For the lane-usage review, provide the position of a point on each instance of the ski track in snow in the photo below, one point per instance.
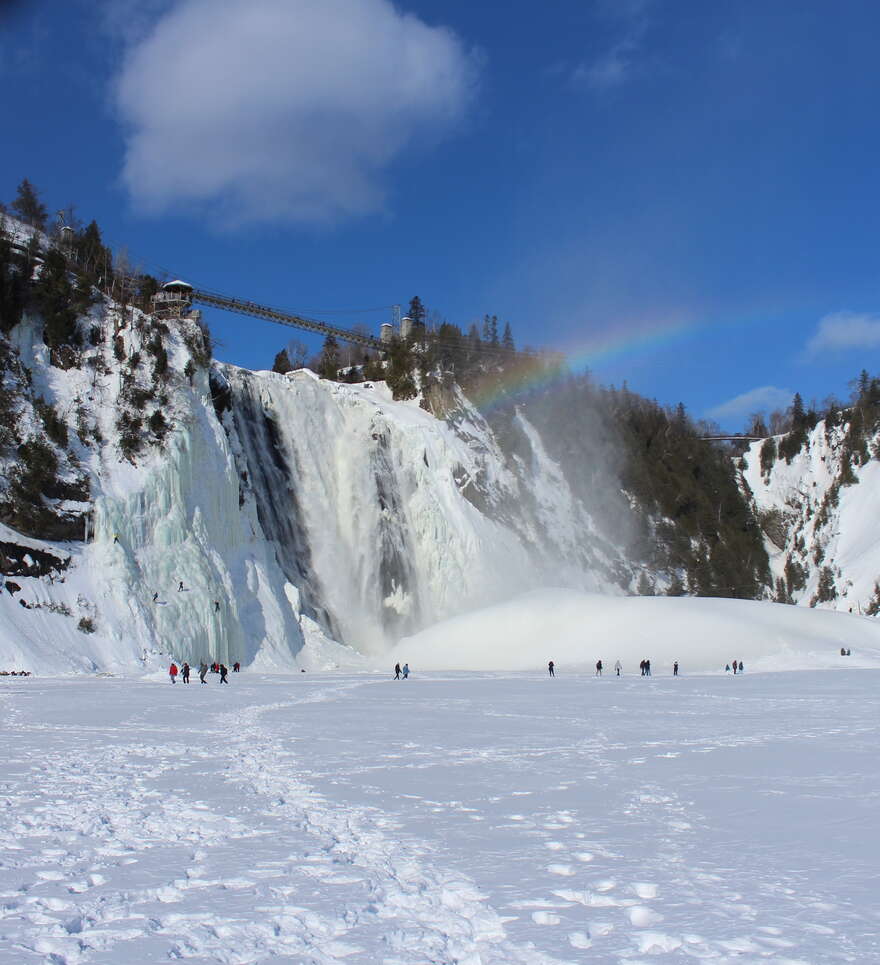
(453, 820)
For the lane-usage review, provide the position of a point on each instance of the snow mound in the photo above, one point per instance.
(577, 629)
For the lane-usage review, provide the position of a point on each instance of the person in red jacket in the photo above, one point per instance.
(172, 673)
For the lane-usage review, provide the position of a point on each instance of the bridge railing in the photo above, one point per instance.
(242, 307)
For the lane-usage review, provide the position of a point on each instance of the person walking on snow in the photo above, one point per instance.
(598, 668)
(617, 668)
(180, 586)
(647, 668)
(397, 671)
(203, 670)
(405, 671)
(675, 669)
(734, 666)
(224, 670)
(172, 673)
(185, 672)
(216, 606)
(155, 596)
(236, 667)
(550, 667)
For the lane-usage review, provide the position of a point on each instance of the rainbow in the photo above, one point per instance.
(601, 347)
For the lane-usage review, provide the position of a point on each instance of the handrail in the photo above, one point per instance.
(217, 300)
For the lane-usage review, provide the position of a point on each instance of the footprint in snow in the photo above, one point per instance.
(642, 917)
(565, 870)
(644, 889)
(545, 918)
(656, 943)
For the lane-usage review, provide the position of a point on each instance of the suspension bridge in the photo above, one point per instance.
(177, 296)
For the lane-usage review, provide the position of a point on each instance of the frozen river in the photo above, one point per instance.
(451, 818)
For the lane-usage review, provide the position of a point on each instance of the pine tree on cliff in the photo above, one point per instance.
(28, 207)
(93, 256)
(798, 413)
(282, 362)
(328, 367)
(490, 330)
(416, 311)
(507, 339)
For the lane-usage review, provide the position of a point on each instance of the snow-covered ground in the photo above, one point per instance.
(450, 818)
(701, 634)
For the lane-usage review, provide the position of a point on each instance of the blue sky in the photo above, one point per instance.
(693, 184)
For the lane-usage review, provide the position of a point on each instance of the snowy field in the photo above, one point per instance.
(451, 818)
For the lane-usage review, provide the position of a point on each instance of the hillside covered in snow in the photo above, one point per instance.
(816, 494)
(154, 501)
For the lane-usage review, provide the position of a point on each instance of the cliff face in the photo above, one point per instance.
(289, 507)
(819, 510)
(152, 500)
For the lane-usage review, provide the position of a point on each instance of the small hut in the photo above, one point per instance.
(174, 298)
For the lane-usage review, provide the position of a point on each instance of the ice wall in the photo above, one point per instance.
(363, 500)
(179, 521)
(291, 509)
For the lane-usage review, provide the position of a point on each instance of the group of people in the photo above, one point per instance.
(644, 667)
(180, 586)
(401, 673)
(737, 667)
(180, 589)
(184, 671)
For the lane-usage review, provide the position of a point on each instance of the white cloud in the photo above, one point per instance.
(609, 70)
(284, 110)
(843, 332)
(762, 399)
(615, 66)
(128, 20)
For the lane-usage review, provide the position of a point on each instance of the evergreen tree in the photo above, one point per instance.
(873, 607)
(490, 330)
(507, 339)
(328, 367)
(798, 413)
(399, 373)
(54, 299)
(13, 283)
(680, 419)
(768, 455)
(28, 207)
(826, 591)
(416, 311)
(282, 362)
(676, 587)
(147, 287)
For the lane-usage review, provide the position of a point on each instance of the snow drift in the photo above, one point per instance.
(577, 629)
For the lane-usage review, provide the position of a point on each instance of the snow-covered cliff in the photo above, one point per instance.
(290, 508)
(819, 512)
(155, 502)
